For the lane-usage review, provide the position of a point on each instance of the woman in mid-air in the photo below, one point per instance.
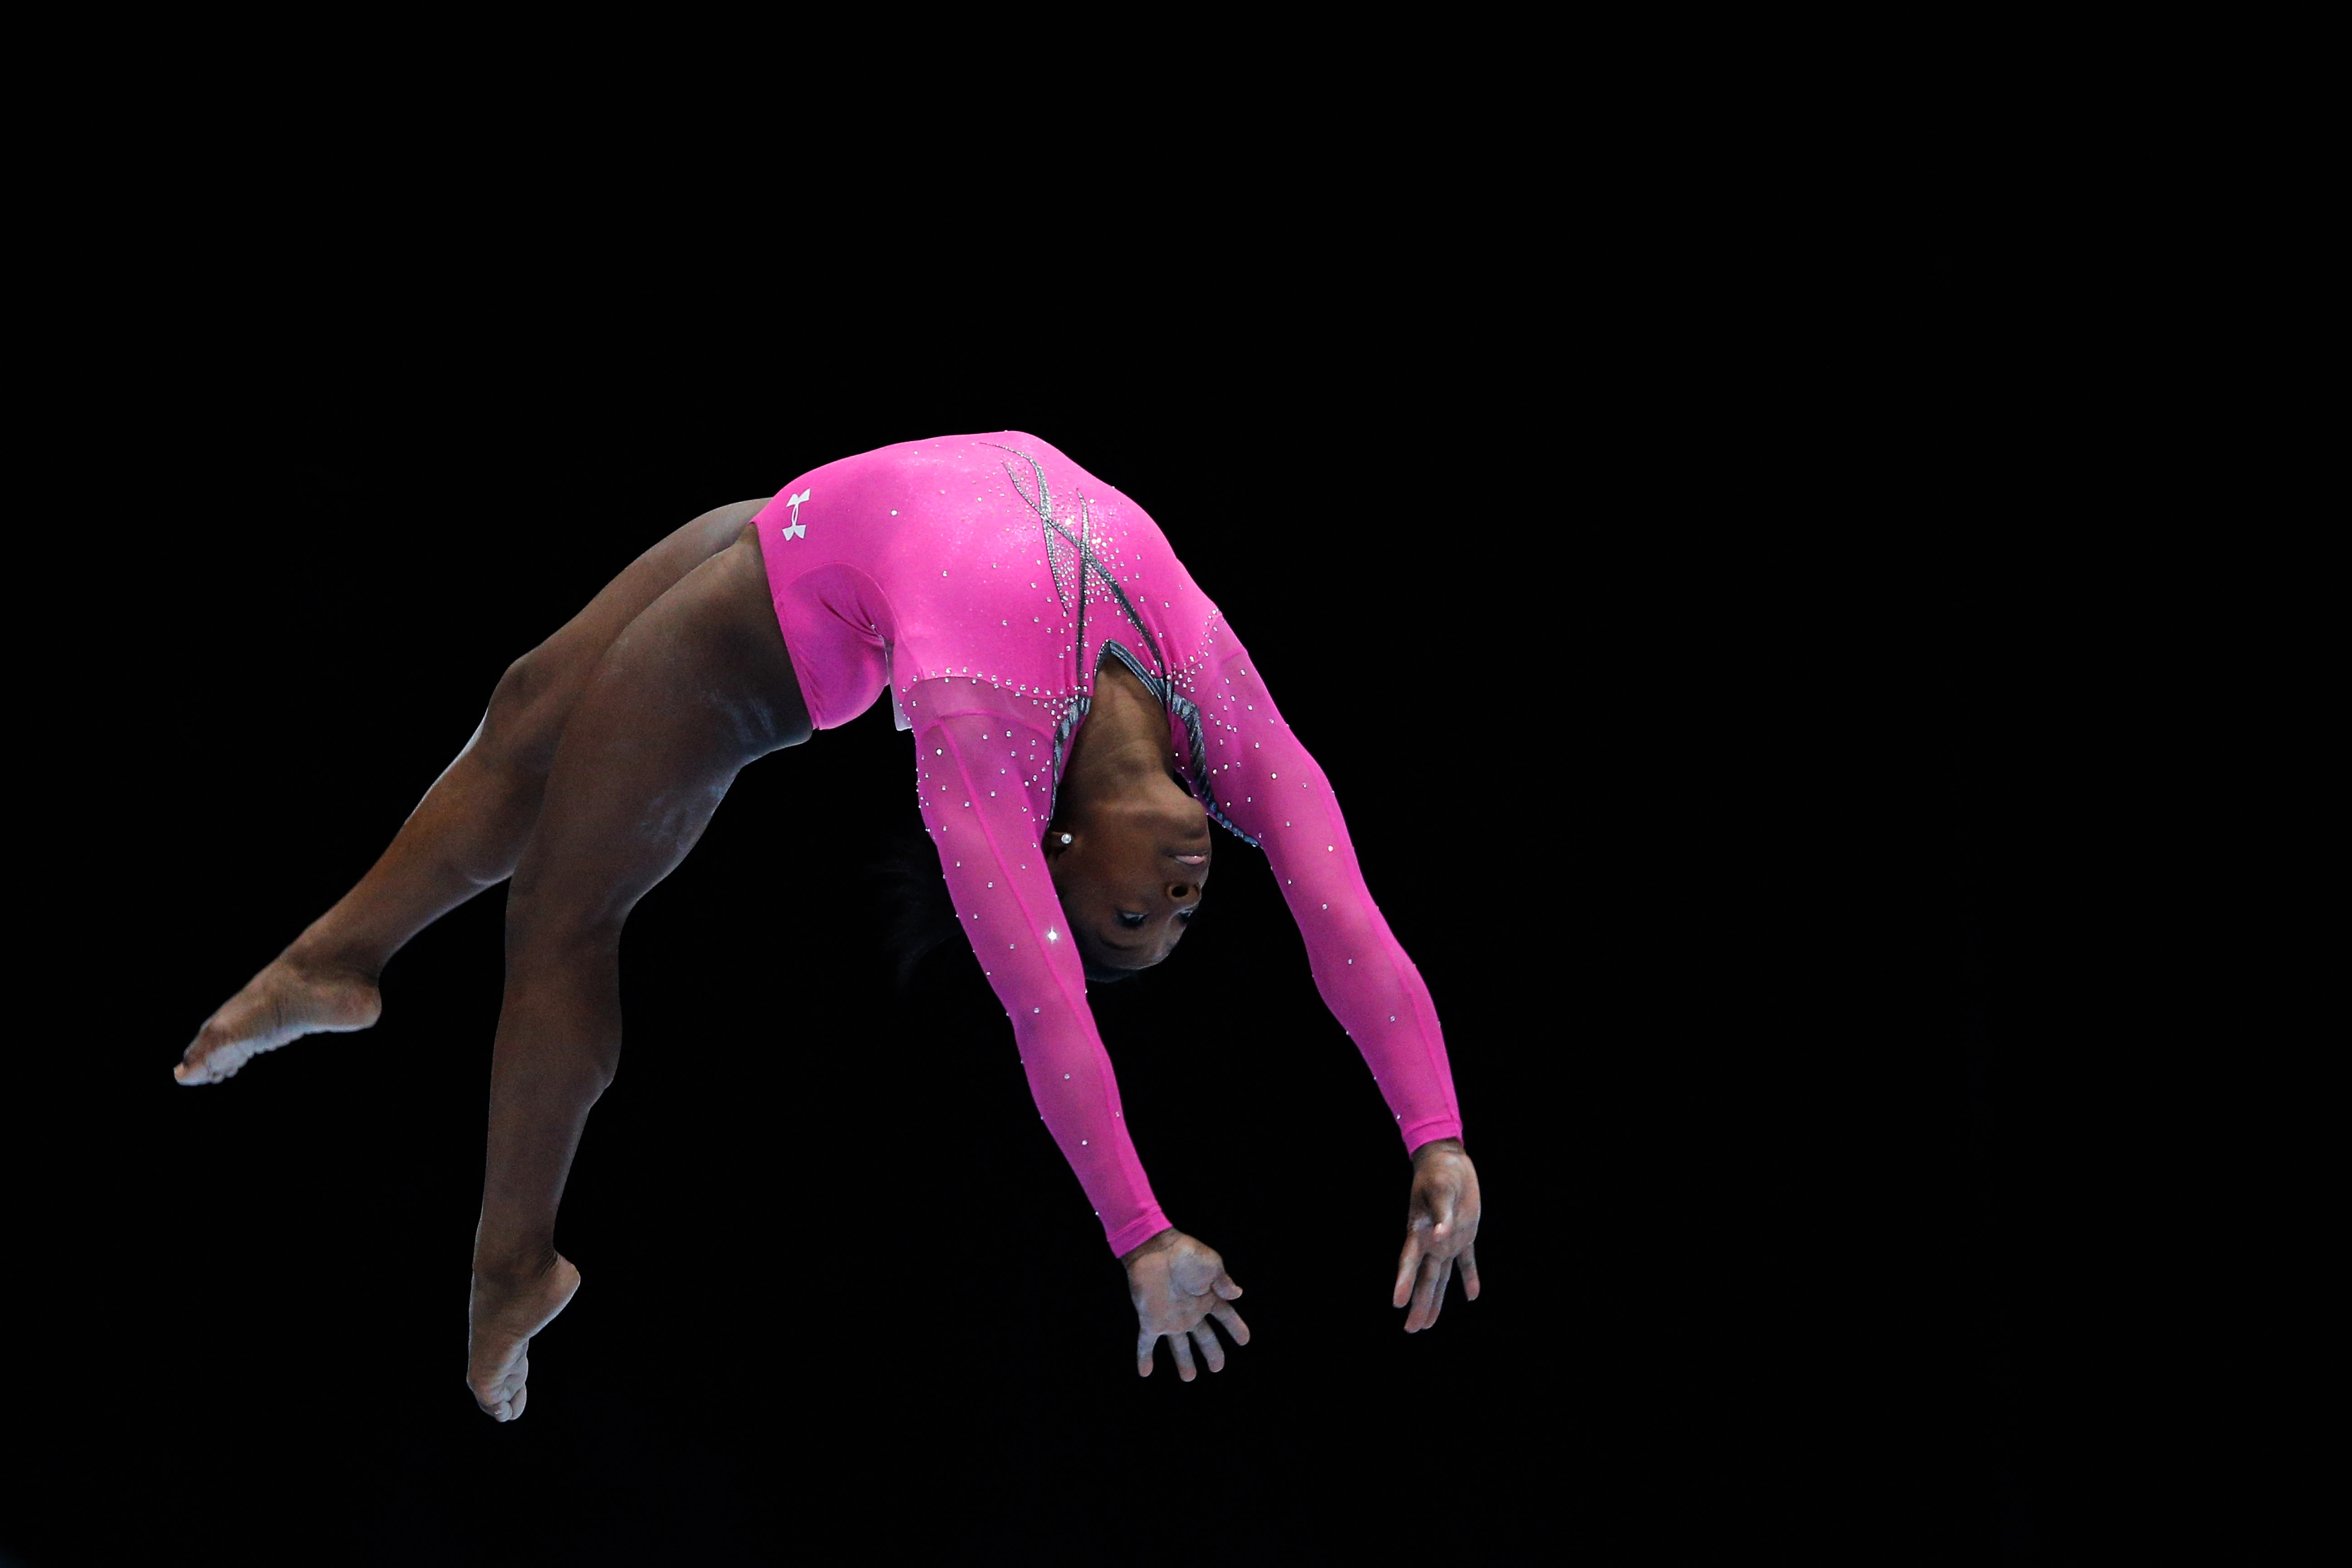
(1081, 713)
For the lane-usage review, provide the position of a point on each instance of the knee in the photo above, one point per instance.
(528, 709)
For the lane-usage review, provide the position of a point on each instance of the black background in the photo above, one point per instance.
(1687, 743)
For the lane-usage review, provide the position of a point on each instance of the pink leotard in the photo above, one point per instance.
(982, 580)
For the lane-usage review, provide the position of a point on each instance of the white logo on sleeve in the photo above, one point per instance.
(796, 529)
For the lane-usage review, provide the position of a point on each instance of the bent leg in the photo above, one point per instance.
(696, 686)
(469, 830)
(464, 836)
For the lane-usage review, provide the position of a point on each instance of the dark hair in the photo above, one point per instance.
(917, 916)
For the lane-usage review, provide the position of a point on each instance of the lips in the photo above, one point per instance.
(1193, 859)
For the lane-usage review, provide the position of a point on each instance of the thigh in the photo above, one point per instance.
(695, 686)
(536, 695)
(654, 574)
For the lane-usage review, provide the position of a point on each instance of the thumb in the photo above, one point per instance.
(1227, 1289)
(1445, 1211)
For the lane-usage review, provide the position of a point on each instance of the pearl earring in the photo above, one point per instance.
(1066, 838)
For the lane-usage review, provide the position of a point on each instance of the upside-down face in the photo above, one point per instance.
(1130, 877)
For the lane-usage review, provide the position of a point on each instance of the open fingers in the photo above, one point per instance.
(1418, 1319)
(1211, 1351)
(1233, 1322)
(1407, 1265)
(1143, 1344)
(1183, 1349)
(1470, 1272)
(1428, 1296)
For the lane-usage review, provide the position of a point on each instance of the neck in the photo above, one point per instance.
(1122, 747)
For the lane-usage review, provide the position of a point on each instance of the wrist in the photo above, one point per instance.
(1159, 1243)
(1438, 1146)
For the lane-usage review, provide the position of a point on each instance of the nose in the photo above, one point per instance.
(1179, 892)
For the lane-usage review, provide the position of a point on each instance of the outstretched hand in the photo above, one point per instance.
(1441, 1224)
(1178, 1284)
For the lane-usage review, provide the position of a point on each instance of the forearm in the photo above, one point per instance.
(1076, 1094)
(558, 1045)
(1377, 996)
(1361, 970)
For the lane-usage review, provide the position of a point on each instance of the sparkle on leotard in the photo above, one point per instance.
(898, 585)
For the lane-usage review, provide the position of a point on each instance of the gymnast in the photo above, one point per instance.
(1081, 713)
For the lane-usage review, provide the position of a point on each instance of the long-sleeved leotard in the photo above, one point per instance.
(983, 580)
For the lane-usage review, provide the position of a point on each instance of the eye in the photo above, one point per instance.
(1129, 920)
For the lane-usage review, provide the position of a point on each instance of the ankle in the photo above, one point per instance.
(515, 1266)
(317, 954)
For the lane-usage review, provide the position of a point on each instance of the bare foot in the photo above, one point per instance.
(284, 1002)
(505, 1316)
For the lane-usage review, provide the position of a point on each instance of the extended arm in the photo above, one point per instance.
(1269, 787)
(975, 773)
(977, 776)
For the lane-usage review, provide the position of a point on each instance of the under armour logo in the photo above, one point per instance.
(796, 529)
